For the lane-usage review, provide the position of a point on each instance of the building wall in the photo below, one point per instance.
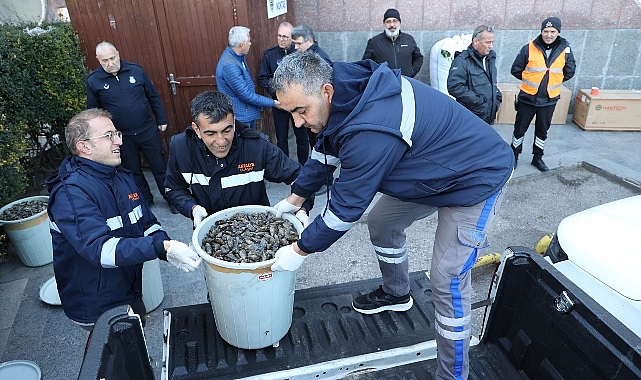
(604, 34)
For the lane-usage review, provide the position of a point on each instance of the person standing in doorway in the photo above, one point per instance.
(125, 90)
(396, 48)
(472, 80)
(282, 119)
(542, 66)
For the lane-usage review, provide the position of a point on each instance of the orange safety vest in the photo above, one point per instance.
(535, 71)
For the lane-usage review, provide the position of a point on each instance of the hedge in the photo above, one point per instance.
(42, 85)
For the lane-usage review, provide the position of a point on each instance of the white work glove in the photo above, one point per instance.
(287, 259)
(182, 257)
(284, 206)
(303, 217)
(199, 213)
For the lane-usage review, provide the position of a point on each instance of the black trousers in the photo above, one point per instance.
(147, 142)
(524, 115)
(282, 121)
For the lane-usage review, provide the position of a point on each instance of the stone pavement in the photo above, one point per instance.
(534, 205)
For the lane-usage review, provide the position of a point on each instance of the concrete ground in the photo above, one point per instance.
(534, 205)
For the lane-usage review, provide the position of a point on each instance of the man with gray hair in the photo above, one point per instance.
(234, 79)
(425, 153)
(304, 39)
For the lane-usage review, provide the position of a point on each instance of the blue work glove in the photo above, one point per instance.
(287, 259)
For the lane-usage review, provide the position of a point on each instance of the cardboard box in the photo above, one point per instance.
(510, 91)
(610, 110)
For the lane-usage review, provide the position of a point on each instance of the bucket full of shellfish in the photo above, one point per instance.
(252, 305)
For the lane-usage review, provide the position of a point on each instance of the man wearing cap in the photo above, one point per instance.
(472, 80)
(396, 48)
(542, 66)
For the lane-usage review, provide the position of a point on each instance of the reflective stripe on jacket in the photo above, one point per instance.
(537, 68)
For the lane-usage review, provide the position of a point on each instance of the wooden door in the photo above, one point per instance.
(180, 37)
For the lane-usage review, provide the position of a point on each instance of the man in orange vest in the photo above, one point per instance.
(542, 66)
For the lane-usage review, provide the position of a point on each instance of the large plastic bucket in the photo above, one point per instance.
(252, 305)
(30, 236)
(152, 291)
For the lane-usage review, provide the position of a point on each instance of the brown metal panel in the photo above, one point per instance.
(180, 37)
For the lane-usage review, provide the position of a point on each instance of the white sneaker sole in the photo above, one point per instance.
(397, 307)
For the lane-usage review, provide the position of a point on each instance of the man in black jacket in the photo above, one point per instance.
(396, 48)
(125, 90)
(219, 162)
(282, 119)
(472, 78)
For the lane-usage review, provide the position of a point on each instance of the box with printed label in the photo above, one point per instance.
(507, 113)
(609, 110)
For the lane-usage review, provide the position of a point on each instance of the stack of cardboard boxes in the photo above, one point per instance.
(507, 113)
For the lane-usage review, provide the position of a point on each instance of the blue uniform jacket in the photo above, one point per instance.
(195, 176)
(102, 233)
(268, 65)
(130, 97)
(446, 157)
(234, 80)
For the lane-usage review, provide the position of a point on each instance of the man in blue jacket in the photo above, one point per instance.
(125, 90)
(234, 79)
(218, 162)
(102, 230)
(425, 153)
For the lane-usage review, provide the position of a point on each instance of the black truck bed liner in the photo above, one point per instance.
(526, 336)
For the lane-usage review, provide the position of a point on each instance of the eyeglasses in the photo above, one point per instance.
(111, 135)
(281, 37)
(483, 29)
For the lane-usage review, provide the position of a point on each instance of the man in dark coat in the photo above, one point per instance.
(472, 78)
(396, 48)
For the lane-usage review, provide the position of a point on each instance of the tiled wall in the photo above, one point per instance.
(605, 34)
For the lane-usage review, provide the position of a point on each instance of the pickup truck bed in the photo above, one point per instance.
(525, 336)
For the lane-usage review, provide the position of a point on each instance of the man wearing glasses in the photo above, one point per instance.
(125, 90)
(472, 80)
(219, 162)
(396, 48)
(101, 228)
(282, 119)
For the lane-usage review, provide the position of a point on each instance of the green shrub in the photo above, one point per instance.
(42, 85)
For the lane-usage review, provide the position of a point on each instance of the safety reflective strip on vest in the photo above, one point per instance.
(536, 69)
(242, 179)
(152, 229)
(192, 178)
(408, 117)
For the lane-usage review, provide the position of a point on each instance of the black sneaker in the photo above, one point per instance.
(378, 301)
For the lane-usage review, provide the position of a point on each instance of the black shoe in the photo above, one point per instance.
(516, 159)
(537, 161)
(378, 301)
(173, 210)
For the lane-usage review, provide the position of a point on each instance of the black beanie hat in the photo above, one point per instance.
(551, 22)
(394, 13)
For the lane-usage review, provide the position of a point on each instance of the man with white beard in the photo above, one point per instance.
(396, 48)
